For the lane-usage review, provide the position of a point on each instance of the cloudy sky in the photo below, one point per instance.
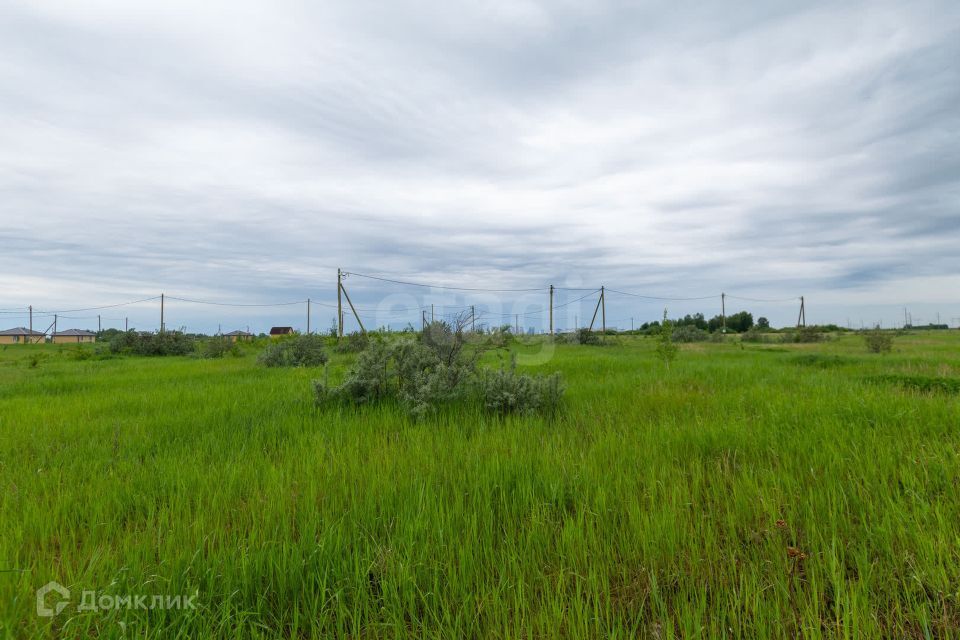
(240, 152)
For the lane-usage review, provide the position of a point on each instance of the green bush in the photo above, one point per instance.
(878, 342)
(218, 347)
(298, 351)
(804, 335)
(689, 333)
(165, 343)
(753, 334)
(504, 391)
(352, 343)
(420, 374)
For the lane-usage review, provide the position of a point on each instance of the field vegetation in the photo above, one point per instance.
(804, 488)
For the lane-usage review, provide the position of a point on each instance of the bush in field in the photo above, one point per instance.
(421, 374)
(877, 341)
(504, 391)
(299, 351)
(218, 347)
(753, 334)
(689, 333)
(666, 349)
(804, 335)
(352, 343)
(165, 343)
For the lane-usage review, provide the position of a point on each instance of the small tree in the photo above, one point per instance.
(878, 341)
(666, 349)
(763, 323)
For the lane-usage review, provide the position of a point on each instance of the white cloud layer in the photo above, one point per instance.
(242, 151)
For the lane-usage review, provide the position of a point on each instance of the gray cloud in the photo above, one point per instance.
(240, 151)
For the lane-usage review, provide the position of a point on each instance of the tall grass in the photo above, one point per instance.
(735, 494)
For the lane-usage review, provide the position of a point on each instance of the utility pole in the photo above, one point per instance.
(905, 323)
(339, 304)
(603, 312)
(723, 311)
(802, 318)
(432, 317)
(308, 316)
(516, 322)
(161, 312)
(31, 320)
(473, 319)
(551, 309)
(631, 323)
(53, 336)
(126, 324)
(98, 323)
(423, 318)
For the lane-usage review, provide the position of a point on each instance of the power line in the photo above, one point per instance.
(235, 304)
(106, 306)
(560, 306)
(729, 295)
(638, 295)
(433, 286)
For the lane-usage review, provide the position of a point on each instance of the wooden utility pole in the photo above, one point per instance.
(516, 322)
(308, 316)
(596, 310)
(905, 323)
(352, 308)
(432, 316)
(339, 304)
(423, 318)
(551, 309)
(603, 305)
(802, 318)
(31, 320)
(723, 311)
(161, 312)
(54, 334)
(473, 319)
(98, 323)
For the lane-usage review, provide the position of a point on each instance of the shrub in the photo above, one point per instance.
(804, 335)
(165, 343)
(504, 391)
(299, 351)
(352, 343)
(218, 347)
(753, 334)
(878, 342)
(421, 374)
(689, 333)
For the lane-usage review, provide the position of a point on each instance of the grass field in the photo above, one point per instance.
(750, 492)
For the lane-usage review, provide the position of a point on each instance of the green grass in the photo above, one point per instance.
(649, 508)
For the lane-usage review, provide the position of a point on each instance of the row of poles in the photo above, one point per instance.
(601, 308)
(53, 325)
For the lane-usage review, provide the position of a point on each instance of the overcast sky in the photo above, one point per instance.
(241, 152)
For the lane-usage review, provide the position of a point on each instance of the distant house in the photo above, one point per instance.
(21, 335)
(277, 332)
(234, 336)
(75, 335)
